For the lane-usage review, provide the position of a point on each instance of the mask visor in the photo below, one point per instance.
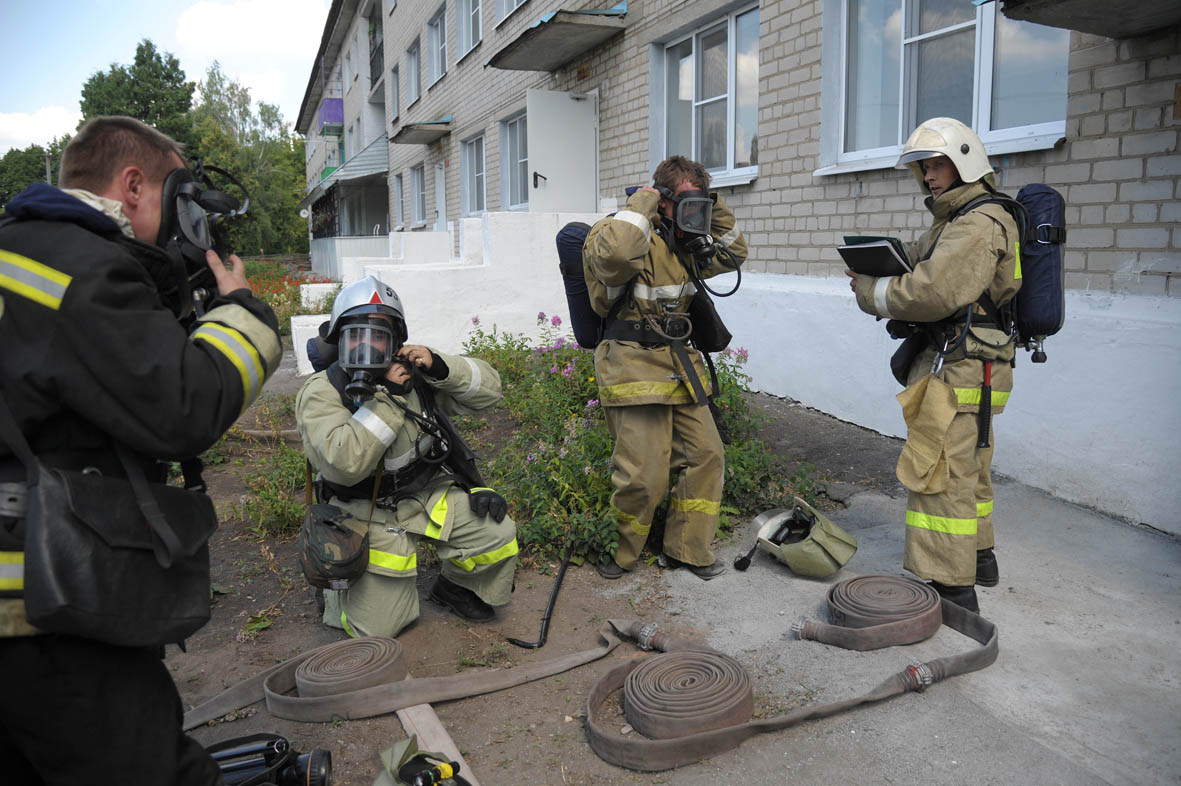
(366, 346)
(694, 212)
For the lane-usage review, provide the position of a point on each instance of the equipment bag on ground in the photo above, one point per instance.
(807, 541)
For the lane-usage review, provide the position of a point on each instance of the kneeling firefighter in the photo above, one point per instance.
(953, 311)
(375, 427)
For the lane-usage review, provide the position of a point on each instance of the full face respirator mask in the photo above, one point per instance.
(367, 347)
(689, 226)
(192, 215)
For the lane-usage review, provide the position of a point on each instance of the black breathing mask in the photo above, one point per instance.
(192, 213)
(688, 229)
(366, 349)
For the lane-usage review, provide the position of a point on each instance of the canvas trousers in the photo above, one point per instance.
(652, 442)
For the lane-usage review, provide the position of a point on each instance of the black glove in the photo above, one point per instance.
(486, 502)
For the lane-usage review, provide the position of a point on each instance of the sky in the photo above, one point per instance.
(50, 52)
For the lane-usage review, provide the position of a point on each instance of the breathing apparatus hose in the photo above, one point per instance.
(695, 272)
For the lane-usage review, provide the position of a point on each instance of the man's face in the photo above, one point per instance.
(939, 174)
(379, 340)
(666, 206)
(145, 215)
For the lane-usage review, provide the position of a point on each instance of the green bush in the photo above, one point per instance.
(556, 470)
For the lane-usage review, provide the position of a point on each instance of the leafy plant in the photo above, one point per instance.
(279, 288)
(272, 501)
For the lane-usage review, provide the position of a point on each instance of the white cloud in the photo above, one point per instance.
(247, 29)
(21, 129)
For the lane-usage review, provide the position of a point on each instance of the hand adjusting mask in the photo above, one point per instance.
(191, 214)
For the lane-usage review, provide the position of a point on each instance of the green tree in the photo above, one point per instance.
(152, 89)
(21, 168)
(258, 148)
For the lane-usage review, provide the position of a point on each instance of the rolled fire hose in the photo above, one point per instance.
(697, 702)
(361, 678)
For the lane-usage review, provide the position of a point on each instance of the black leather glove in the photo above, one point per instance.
(486, 502)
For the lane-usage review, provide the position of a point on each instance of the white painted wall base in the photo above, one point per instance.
(1098, 424)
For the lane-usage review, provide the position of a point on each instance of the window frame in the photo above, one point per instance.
(395, 93)
(503, 11)
(399, 208)
(834, 159)
(436, 28)
(466, 33)
(510, 164)
(418, 195)
(466, 166)
(413, 73)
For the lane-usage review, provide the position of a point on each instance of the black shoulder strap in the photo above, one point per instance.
(340, 380)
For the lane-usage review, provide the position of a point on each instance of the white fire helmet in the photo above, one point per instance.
(946, 136)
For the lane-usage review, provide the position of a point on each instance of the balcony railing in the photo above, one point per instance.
(376, 63)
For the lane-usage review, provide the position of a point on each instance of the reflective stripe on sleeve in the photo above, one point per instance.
(879, 297)
(707, 506)
(240, 352)
(474, 385)
(729, 238)
(487, 558)
(391, 561)
(941, 523)
(375, 425)
(12, 571)
(969, 396)
(33, 280)
(407, 458)
(668, 291)
(637, 220)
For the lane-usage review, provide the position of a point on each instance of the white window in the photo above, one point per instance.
(711, 96)
(412, 74)
(891, 64)
(472, 165)
(399, 218)
(394, 93)
(506, 7)
(418, 195)
(436, 30)
(515, 158)
(467, 20)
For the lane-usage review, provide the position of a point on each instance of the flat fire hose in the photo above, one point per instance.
(694, 702)
(361, 678)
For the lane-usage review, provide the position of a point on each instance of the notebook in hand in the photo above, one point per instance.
(874, 256)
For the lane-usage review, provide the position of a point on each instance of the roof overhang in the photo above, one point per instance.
(424, 133)
(373, 160)
(1098, 17)
(559, 37)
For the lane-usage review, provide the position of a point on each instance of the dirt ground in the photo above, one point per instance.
(533, 732)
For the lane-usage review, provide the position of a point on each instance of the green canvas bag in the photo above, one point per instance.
(807, 541)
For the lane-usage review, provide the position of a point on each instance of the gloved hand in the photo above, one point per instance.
(486, 502)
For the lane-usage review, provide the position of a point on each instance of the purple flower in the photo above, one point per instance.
(553, 369)
(476, 319)
(561, 342)
(556, 321)
(592, 403)
(743, 355)
(530, 458)
(540, 317)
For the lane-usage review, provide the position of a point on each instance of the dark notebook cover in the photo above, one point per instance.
(874, 256)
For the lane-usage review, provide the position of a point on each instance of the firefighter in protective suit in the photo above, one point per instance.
(959, 347)
(637, 273)
(379, 415)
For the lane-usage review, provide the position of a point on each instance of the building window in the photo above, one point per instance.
(351, 147)
(515, 158)
(467, 20)
(436, 30)
(418, 195)
(399, 217)
(473, 175)
(413, 79)
(506, 7)
(394, 93)
(348, 70)
(896, 63)
(711, 95)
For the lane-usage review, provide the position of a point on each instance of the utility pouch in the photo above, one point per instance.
(989, 344)
(95, 568)
(333, 547)
(807, 541)
(928, 406)
(709, 332)
(903, 357)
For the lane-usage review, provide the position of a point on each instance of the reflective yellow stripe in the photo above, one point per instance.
(941, 523)
(30, 279)
(632, 389)
(1017, 251)
(434, 530)
(12, 570)
(488, 557)
(630, 521)
(239, 351)
(391, 561)
(972, 396)
(344, 621)
(707, 506)
(983, 509)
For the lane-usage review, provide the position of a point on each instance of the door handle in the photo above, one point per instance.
(538, 176)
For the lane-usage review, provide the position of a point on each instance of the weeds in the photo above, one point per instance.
(272, 501)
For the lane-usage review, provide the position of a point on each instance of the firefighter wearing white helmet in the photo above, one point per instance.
(951, 311)
(376, 428)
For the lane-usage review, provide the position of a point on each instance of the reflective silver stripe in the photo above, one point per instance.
(668, 291)
(12, 570)
(614, 292)
(407, 458)
(879, 297)
(375, 425)
(474, 385)
(240, 352)
(637, 220)
(730, 236)
(33, 280)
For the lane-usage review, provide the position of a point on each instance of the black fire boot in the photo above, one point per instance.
(703, 572)
(961, 596)
(987, 572)
(461, 600)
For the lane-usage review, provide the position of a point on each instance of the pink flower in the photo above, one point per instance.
(540, 317)
(476, 319)
(556, 321)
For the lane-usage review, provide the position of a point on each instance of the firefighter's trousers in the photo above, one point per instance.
(652, 441)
